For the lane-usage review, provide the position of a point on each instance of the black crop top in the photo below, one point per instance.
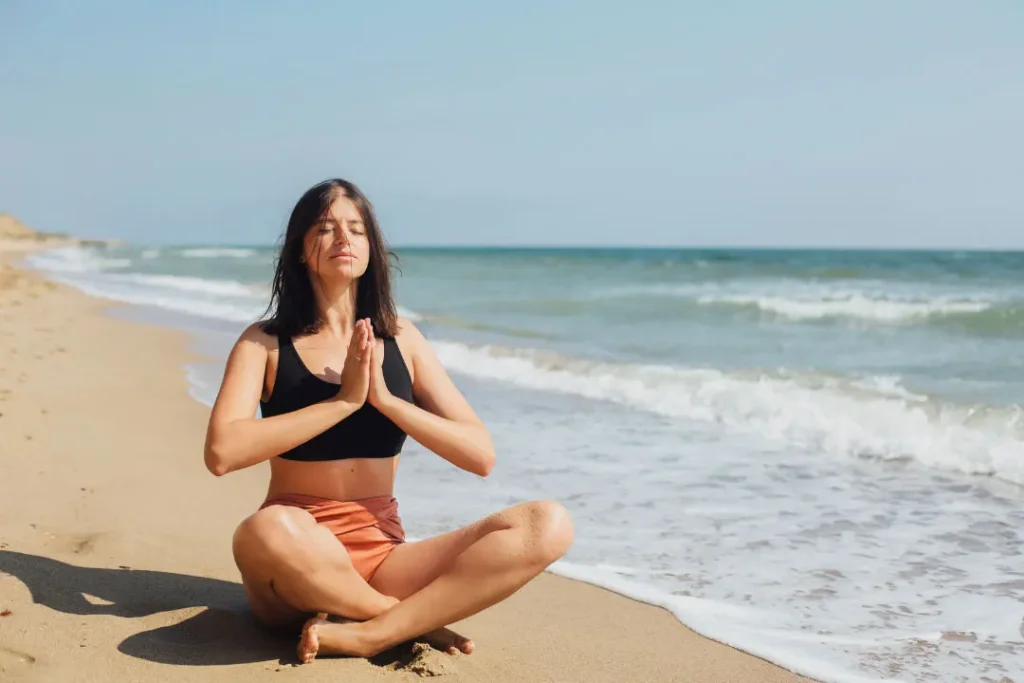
(366, 433)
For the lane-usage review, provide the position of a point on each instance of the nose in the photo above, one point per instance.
(341, 235)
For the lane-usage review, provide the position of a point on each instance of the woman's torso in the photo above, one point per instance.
(306, 370)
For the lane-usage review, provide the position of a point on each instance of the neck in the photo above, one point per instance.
(336, 303)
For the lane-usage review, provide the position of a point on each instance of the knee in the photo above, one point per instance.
(272, 531)
(550, 531)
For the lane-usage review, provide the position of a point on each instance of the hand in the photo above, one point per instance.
(379, 394)
(355, 376)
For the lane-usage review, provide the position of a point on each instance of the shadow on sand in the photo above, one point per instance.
(223, 633)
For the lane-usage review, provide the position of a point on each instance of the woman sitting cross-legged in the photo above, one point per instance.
(341, 381)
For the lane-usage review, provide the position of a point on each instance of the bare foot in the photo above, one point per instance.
(337, 636)
(309, 645)
(351, 638)
(447, 640)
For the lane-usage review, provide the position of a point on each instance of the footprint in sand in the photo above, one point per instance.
(12, 660)
(82, 545)
(77, 544)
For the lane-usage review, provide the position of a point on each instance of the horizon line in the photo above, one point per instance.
(599, 247)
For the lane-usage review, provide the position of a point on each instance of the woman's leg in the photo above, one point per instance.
(292, 567)
(444, 579)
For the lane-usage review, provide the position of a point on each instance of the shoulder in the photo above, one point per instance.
(408, 332)
(255, 336)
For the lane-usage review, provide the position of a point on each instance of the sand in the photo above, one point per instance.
(115, 562)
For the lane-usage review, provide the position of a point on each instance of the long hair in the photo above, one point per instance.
(292, 300)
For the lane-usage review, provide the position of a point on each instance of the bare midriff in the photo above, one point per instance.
(342, 480)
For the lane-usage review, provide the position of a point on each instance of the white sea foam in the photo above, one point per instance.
(103, 277)
(240, 312)
(221, 299)
(75, 260)
(840, 572)
(743, 627)
(182, 283)
(855, 305)
(217, 252)
(201, 385)
(411, 315)
(800, 300)
(864, 418)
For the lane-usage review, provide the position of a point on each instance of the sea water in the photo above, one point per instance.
(816, 457)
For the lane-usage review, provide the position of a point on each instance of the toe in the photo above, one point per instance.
(309, 643)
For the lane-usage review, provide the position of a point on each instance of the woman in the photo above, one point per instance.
(341, 381)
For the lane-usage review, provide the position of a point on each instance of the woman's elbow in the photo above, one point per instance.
(486, 461)
(214, 458)
(216, 465)
(486, 468)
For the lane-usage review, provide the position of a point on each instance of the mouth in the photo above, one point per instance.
(344, 256)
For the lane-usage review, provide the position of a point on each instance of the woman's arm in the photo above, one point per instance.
(235, 438)
(441, 420)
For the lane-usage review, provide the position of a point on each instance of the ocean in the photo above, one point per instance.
(813, 456)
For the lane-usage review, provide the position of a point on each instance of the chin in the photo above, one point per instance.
(341, 269)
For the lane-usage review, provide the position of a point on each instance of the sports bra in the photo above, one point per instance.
(366, 433)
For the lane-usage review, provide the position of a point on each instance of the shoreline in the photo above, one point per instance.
(129, 578)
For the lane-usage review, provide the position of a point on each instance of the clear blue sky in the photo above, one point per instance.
(859, 123)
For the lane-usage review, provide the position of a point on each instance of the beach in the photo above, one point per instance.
(115, 558)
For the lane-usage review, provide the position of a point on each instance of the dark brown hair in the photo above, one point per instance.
(292, 299)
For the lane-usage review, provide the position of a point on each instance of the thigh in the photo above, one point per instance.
(411, 566)
(266, 539)
(269, 608)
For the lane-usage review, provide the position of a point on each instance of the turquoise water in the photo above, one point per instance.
(815, 456)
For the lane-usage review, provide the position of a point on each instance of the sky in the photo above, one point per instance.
(727, 123)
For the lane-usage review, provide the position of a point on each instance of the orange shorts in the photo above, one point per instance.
(369, 528)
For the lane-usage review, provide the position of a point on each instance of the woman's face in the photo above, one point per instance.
(338, 246)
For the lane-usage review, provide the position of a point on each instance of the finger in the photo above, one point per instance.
(368, 345)
(357, 337)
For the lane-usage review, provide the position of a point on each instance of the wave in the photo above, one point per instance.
(853, 305)
(75, 260)
(237, 312)
(228, 300)
(183, 283)
(95, 275)
(884, 303)
(859, 417)
(217, 252)
(411, 315)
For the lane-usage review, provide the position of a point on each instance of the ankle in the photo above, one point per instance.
(372, 640)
